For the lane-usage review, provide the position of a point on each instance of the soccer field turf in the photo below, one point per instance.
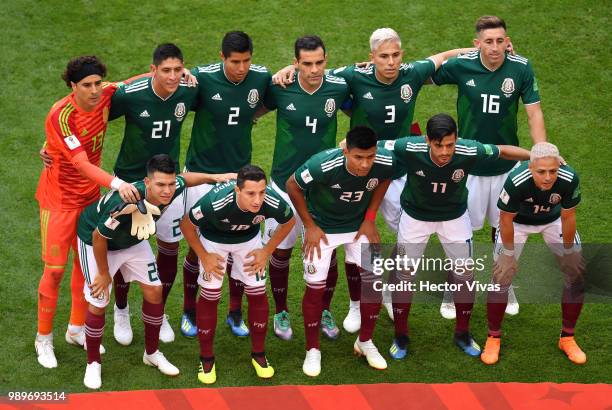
(566, 42)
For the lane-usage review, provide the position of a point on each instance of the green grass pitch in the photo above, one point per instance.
(567, 43)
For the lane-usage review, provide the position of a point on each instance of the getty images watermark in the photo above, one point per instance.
(422, 274)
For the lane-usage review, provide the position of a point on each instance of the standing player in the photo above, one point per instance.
(228, 219)
(111, 238)
(306, 123)
(384, 97)
(337, 193)
(230, 93)
(538, 197)
(490, 82)
(154, 110)
(75, 129)
(434, 200)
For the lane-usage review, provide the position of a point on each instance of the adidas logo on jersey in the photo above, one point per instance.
(368, 96)
(529, 200)
(337, 186)
(144, 114)
(291, 107)
(471, 83)
(217, 97)
(420, 173)
(225, 220)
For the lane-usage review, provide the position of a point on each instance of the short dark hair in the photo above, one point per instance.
(309, 43)
(76, 65)
(440, 126)
(487, 22)
(250, 173)
(165, 51)
(361, 137)
(236, 41)
(161, 163)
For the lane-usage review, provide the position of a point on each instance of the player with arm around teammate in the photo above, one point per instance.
(337, 194)
(75, 129)
(490, 82)
(225, 221)
(539, 196)
(230, 94)
(434, 200)
(306, 124)
(111, 236)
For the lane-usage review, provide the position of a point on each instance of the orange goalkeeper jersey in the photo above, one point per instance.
(70, 131)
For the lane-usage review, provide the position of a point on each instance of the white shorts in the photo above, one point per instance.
(390, 207)
(194, 194)
(239, 252)
(168, 225)
(272, 224)
(482, 199)
(552, 234)
(137, 263)
(454, 235)
(316, 271)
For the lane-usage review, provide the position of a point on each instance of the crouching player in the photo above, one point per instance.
(434, 200)
(539, 196)
(337, 194)
(111, 237)
(228, 218)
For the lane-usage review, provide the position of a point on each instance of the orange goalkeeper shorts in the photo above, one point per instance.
(57, 234)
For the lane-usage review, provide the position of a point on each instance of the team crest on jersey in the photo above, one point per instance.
(258, 219)
(458, 175)
(253, 98)
(180, 111)
(311, 269)
(406, 93)
(554, 199)
(372, 183)
(197, 213)
(111, 223)
(330, 107)
(508, 87)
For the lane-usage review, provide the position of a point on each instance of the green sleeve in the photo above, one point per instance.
(573, 195)
(269, 100)
(197, 211)
(445, 74)
(107, 226)
(424, 69)
(118, 104)
(529, 92)
(309, 173)
(180, 186)
(487, 151)
(509, 198)
(283, 213)
(346, 72)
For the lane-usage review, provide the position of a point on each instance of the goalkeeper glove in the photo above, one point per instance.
(143, 224)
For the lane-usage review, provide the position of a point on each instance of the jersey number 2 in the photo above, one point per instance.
(232, 118)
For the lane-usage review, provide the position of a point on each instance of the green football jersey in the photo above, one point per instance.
(433, 192)
(487, 101)
(534, 206)
(306, 123)
(337, 199)
(221, 220)
(386, 108)
(152, 125)
(221, 133)
(116, 230)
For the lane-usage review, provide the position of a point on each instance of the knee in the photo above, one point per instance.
(50, 281)
(152, 294)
